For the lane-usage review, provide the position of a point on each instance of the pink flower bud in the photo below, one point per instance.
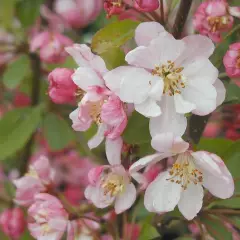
(78, 13)
(211, 130)
(231, 60)
(146, 5)
(12, 222)
(48, 219)
(212, 18)
(61, 89)
(36, 180)
(51, 46)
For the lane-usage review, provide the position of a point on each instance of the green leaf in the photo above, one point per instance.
(113, 58)
(148, 232)
(233, 94)
(232, 159)
(19, 131)
(113, 35)
(68, 63)
(216, 145)
(216, 228)
(137, 130)
(16, 72)
(233, 202)
(28, 11)
(6, 12)
(57, 131)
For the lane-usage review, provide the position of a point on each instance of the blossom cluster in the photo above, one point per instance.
(163, 79)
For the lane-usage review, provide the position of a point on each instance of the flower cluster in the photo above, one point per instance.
(164, 80)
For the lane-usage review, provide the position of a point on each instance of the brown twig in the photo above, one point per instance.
(35, 92)
(161, 12)
(181, 17)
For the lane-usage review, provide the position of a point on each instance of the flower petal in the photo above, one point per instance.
(169, 120)
(143, 162)
(84, 57)
(221, 91)
(113, 150)
(196, 46)
(216, 176)
(148, 108)
(167, 193)
(182, 106)
(85, 77)
(147, 31)
(203, 95)
(136, 85)
(191, 201)
(114, 78)
(126, 199)
(99, 137)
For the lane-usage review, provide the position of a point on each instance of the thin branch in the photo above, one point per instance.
(162, 12)
(35, 94)
(181, 17)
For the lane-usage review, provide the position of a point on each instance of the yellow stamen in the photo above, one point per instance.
(172, 77)
(184, 171)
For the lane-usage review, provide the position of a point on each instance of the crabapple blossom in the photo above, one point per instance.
(48, 218)
(212, 18)
(168, 77)
(78, 230)
(146, 5)
(36, 180)
(113, 7)
(51, 46)
(182, 185)
(61, 87)
(111, 184)
(98, 104)
(231, 60)
(12, 222)
(78, 13)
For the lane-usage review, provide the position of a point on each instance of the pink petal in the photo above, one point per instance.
(113, 150)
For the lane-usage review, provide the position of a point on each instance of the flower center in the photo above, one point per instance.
(113, 184)
(218, 23)
(172, 76)
(184, 171)
(95, 111)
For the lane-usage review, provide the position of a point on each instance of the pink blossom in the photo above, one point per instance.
(78, 13)
(61, 89)
(231, 60)
(36, 180)
(51, 46)
(78, 230)
(182, 185)
(113, 7)
(212, 18)
(111, 184)
(71, 169)
(98, 104)
(146, 5)
(48, 219)
(12, 222)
